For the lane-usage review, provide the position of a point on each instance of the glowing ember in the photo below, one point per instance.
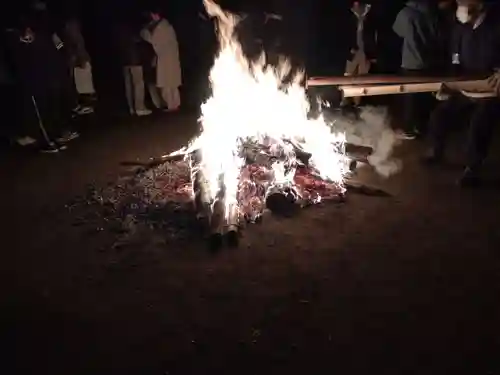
(253, 129)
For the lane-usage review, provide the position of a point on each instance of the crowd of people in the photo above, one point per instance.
(441, 37)
(46, 66)
(52, 70)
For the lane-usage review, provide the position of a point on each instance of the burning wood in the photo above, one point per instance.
(272, 156)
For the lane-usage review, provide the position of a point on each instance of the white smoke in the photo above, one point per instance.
(371, 129)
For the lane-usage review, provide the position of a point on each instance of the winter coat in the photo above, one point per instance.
(476, 49)
(163, 38)
(418, 24)
(134, 51)
(38, 65)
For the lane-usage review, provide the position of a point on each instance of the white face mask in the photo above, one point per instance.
(462, 14)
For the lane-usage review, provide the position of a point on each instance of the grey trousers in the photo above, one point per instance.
(134, 87)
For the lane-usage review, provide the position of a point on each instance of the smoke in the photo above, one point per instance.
(371, 128)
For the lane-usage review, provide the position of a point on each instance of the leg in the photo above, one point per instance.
(171, 97)
(138, 88)
(83, 80)
(350, 70)
(154, 92)
(447, 115)
(129, 93)
(423, 106)
(150, 81)
(483, 119)
(415, 112)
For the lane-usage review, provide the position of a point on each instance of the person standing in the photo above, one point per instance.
(168, 78)
(136, 54)
(363, 36)
(40, 72)
(80, 64)
(418, 26)
(475, 51)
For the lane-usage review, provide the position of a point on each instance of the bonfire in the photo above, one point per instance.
(257, 150)
(257, 147)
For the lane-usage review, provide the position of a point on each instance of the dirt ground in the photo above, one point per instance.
(406, 284)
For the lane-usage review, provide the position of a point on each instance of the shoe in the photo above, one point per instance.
(25, 141)
(407, 135)
(168, 110)
(470, 178)
(85, 110)
(67, 137)
(432, 158)
(82, 110)
(143, 112)
(50, 148)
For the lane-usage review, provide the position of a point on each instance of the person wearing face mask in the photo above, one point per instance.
(475, 51)
(363, 40)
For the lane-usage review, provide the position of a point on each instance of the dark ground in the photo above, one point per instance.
(401, 285)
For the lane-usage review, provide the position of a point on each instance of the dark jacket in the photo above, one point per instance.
(370, 30)
(476, 50)
(134, 51)
(38, 66)
(418, 24)
(74, 43)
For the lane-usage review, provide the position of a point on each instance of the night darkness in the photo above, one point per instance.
(102, 272)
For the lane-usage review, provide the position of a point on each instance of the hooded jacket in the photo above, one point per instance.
(418, 25)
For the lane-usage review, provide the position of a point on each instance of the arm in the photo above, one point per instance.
(400, 26)
(494, 80)
(146, 35)
(57, 41)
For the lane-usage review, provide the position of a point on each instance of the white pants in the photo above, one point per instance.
(134, 87)
(83, 80)
(358, 65)
(165, 96)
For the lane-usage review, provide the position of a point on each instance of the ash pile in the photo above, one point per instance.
(166, 198)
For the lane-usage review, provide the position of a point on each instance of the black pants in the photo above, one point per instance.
(416, 107)
(9, 107)
(47, 113)
(479, 115)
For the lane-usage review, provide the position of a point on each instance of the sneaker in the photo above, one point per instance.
(143, 112)
(470, 178)
(85, 110)
(407, 135)
(82, 110)
(67, 137)
(25, 141)
(50, 148)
